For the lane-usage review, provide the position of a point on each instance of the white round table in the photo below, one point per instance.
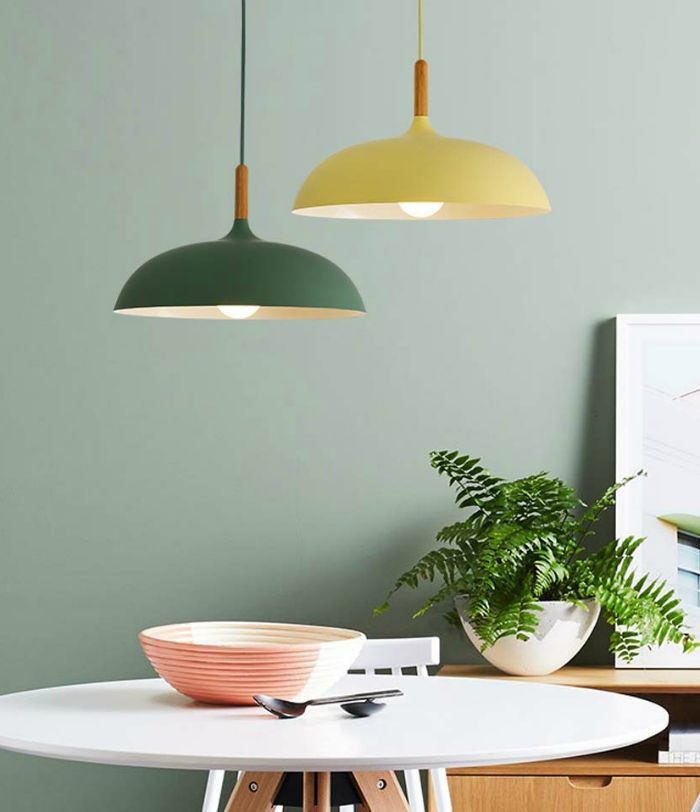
(439, 722)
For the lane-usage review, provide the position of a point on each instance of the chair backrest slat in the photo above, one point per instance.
(398, 653)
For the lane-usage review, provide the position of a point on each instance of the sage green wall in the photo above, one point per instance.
(154, 471)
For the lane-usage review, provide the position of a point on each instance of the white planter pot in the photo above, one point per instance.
(562, 630)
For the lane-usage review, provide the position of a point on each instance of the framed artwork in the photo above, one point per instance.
(658, 431)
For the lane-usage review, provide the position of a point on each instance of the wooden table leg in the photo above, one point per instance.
(317, 792)
(254, 792)
(381, 792)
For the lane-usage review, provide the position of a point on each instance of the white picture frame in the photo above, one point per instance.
(658, 431)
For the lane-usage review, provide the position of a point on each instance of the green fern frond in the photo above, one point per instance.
(475, 486)
(593, 513)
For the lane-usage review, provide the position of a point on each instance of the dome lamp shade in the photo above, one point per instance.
(240, 277)
(421, 175)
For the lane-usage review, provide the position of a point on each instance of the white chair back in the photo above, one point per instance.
(397, 654)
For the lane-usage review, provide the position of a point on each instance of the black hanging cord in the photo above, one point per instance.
(243, 44)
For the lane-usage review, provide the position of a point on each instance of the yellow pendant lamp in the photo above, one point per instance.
(421, 175)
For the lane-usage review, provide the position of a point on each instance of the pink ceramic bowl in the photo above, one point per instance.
(225, 663)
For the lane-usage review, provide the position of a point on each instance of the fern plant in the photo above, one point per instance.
(523, 542)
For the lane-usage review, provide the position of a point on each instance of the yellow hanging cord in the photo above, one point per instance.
(420, 29)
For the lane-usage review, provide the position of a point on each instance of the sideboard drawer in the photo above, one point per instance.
(505, 793)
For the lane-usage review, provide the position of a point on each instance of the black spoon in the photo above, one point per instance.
(362, 709)
(286, 709)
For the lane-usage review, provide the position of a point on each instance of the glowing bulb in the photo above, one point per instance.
(238, 311)
(420, 210)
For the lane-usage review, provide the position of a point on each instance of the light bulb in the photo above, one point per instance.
(238, 311)
(420, 210)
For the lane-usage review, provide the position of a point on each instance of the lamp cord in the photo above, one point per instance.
(243, 48)
(420, 29)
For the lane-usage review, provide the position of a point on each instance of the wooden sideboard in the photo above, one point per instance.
(618, 781)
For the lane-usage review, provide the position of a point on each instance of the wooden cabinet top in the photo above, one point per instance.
(607, 678)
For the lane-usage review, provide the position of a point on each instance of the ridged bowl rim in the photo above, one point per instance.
(335, 636)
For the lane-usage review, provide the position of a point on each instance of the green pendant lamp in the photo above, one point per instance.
(421, 175)
(240, 276)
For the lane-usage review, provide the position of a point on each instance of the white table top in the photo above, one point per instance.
(440, 722)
